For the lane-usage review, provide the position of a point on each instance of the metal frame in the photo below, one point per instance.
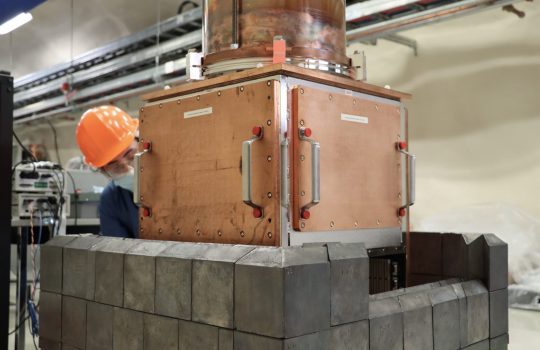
(6, 153)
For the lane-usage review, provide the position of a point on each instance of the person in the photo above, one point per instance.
(107, 137)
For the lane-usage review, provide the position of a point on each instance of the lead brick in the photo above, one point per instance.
(78, 267)
(417, 321)
(99, 327)
(127, 329)
(474, 257)
(197, 336)
(499, 343)
(425, 253)
(483, 345)
(46, 344)
(385, 325)
(212, 296)
(453, 255)
(498, 313)
(350, 336)
(109, 262)
(477, 328)
(50, 313)
(160, 333)
(283, 292)
(314, 341)
(74, 322)
(495, 262)
(226, 339)
(140, 275)
(349, 274)
(51, 263)
(446, 328)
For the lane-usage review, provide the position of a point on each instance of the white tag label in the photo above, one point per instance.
(198, 113)
(354, 118)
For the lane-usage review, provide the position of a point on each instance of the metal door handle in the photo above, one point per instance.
(246, 171)
(315, 168)
(412, 176)
(136, 179)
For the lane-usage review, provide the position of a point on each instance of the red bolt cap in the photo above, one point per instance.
(307, 132)
(65, 86)
(146, 212)
(402, 212)
(257, 212)
(305, 214)
(257, 130)
(147, 145)
(402, 145)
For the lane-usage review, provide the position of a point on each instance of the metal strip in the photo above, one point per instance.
(372, 238)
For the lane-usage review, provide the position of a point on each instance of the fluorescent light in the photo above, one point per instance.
(15, 22)
(370, 7)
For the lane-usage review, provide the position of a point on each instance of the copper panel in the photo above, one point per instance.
(360, 167)
(192, 179)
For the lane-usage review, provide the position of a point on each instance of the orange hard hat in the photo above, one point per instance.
(104, 133)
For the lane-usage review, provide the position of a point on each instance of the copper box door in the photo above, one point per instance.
(359, 166)
(191, 180)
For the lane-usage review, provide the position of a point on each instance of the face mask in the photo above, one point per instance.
(125, 181)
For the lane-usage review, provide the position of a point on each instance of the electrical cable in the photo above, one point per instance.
(19, 325)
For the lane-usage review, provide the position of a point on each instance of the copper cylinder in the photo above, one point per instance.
(312, 29)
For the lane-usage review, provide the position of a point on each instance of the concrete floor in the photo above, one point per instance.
(524, 329)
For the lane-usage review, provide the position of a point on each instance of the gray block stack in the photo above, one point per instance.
(110, 293)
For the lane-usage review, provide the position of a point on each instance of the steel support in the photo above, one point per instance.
(6, 153)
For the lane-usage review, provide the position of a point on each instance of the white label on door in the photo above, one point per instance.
(198, 113)
(354, 118)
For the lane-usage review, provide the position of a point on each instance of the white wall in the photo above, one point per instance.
(475, 113)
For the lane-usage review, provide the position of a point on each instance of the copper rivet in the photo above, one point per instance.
(178, 102)
(269, 194)
(378, 222)
(330, 97)
(269, 158)
(219, 93)
(160, 231)
(303, 193)
(356, 223)
(198, 98)
(142, 109)
(302, 158)
(354, 102)
(142, 198)
(198, 232)
(302, 122)
(268, 122)
(269, 234)
(301, 91)
(142, 230)
(332, 224)
(219, 233)
(268, 83)
(160, 105)
(303, 225)
(242, 234)
(178, 231)
(399, 195)
(142, 169)
(377, 107)
(242, 88)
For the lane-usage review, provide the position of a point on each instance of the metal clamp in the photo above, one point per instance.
(136, 178)
(246, 171)
(412, 173)
(304, 134)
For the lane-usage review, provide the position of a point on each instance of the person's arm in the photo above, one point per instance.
(109, 215)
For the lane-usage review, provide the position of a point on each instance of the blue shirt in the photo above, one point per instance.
(118, 215)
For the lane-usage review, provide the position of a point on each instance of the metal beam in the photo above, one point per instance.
(371, 7)
(6, 153)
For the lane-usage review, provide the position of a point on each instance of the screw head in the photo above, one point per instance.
(269, 234)
(302, 157)
(178, 232)
(303, 225)
(198, 98)
(269, 158)
(268, 122)
(219, 233)
(302, 122)
(268, 83)
(160, 231)
(330, 97)
(269, 194)
(178, 102)
(301, 91)
(160, 105)
(242, 234)
(303, 193)
(332, 224)
(198, 232)
(241, 88)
